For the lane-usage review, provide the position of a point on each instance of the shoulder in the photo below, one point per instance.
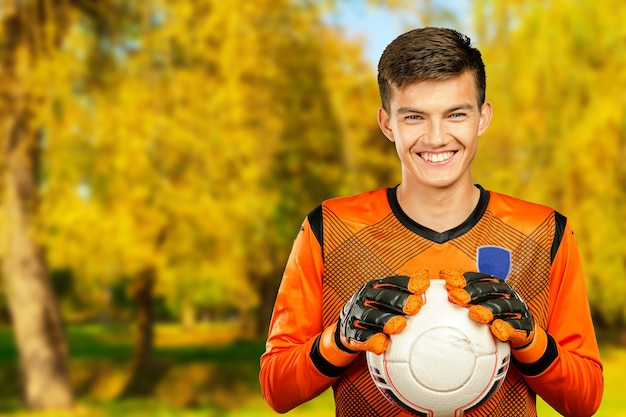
(524, 214)
(356, 210)
(507, 205)
(371, 200)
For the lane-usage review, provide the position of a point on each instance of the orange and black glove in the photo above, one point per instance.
(378, 310)
(375, 312)
(494, 302)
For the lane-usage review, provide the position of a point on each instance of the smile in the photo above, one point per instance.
(436, 157)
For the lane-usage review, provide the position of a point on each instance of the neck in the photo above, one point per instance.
(438, 209)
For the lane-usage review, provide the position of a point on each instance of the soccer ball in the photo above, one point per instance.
(443, 363)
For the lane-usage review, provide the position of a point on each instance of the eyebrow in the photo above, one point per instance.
(405, 110)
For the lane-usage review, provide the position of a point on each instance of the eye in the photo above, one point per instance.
(457, 115)
(413, 117)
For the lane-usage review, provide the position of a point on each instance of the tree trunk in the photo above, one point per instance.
(34, 311)
(141, 292)
(267, 290)
(142, 373)
(31, 29)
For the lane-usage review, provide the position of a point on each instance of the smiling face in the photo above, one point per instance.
(435, 126)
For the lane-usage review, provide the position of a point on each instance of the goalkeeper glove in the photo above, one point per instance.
(378, 310)
(492, 301)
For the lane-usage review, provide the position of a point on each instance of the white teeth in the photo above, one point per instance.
(436, 157)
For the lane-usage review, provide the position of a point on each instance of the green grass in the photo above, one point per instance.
(192, 372)
(201, 373)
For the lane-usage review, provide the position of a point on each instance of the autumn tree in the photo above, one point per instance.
(31, 32)
(556, 78)
(33, 38)
(221, 126)
(182, 143)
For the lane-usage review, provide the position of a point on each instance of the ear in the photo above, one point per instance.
(385, 124)
(486, 113)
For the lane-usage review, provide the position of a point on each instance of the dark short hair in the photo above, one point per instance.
(429, 54)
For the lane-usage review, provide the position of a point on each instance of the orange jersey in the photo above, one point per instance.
(346, 242)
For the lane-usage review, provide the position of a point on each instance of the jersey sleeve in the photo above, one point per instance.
(573, 382)
(288, 375)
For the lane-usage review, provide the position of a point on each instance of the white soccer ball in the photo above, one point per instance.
(443, 363)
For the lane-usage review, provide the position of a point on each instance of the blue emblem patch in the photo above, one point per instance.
(494, 260)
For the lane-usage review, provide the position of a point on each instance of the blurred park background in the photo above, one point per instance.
(159, 156)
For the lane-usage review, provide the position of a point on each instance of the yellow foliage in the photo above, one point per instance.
(199, 140)
(201, 145)
(556, 78)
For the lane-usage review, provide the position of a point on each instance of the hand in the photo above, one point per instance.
(378, 310)
(492, 301)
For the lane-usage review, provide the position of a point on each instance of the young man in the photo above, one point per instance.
(346, 287)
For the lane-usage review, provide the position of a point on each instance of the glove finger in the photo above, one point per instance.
(479, 292)
(455, 284)
(481, 314)
(392, 300)
(455, 278)
(482, 292)
(519, 332)
(472, 277)
(368, 340)
(506, 308)
(500, 308)
(413, 304)
(515, 326)
(415, 282)
(459, 296)
(419, 282)
(380, 321)
(392, 281)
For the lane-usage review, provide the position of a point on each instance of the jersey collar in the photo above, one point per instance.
(430, 234)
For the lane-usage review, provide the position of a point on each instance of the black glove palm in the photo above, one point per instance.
(494, 302)
(378, 310)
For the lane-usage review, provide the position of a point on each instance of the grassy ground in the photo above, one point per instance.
(613, 404)
(200, 373)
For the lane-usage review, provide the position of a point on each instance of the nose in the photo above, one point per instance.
(434, 135)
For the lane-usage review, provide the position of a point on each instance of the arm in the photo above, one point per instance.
(302, 358)
(568, 375)
(560, 363)
(293, 370)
